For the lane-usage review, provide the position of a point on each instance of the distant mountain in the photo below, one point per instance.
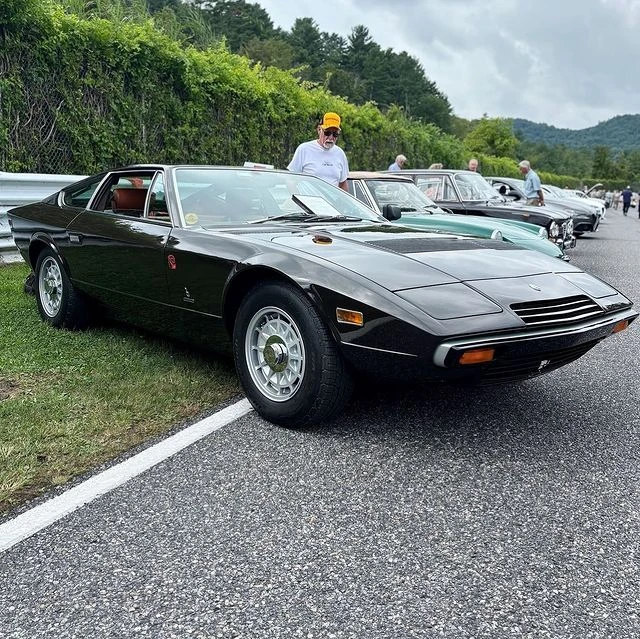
(620, 132)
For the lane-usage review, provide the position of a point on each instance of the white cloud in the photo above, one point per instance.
(564, 63)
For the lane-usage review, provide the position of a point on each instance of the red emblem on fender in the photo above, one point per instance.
(172, 262)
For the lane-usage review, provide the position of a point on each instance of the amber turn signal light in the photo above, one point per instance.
(477, 356)
(349, 317)
(620, 326)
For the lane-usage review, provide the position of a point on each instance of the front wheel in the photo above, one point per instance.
(59, 304)
(288, 362)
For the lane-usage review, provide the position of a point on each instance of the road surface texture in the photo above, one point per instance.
(510, 511)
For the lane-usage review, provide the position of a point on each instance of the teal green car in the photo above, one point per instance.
(378, 190)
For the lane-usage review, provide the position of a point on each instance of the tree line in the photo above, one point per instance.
(361, 71)
(130, 76)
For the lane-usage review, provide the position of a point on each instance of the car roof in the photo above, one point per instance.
(437, 171)
(378, 175)
(139, 167)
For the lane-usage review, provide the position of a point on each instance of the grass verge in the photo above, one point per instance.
(71, 400)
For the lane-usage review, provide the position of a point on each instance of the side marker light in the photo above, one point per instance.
(345, 316)
(620, 326)
(477, 356)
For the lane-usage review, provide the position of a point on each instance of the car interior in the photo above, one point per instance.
(129, 201)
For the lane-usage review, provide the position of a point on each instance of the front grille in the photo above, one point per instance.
(531, 365)
(559, 311)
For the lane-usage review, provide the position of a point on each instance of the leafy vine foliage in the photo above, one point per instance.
(86, 86)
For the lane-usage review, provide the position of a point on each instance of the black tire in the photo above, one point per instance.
(30, 284)
(287, 360)
(59, 304)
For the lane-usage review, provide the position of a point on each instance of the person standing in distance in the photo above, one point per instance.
(473, 165)
(626, 200)
(398, 165)
(532, 187)
(322, 157)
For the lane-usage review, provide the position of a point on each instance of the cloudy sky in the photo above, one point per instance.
(569, 63)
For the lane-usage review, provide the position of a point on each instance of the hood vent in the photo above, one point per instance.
(558, 311)
(432, 245)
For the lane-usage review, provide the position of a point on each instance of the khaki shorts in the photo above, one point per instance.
(533, 201)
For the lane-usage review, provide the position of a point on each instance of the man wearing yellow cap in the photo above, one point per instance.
(322, 157)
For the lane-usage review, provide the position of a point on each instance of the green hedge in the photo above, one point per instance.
(79, 96)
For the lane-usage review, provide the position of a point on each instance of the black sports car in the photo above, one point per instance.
(304, 283)
(585, 217)
(468, 193)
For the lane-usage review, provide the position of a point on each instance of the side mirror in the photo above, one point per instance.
(391, 212)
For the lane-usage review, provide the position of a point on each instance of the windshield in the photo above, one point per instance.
(519, 184)
(474, 187)
(210, 195)
(557, 192)
(406, 195)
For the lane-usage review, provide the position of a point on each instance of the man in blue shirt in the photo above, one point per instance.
(398, 164)
(532, 186)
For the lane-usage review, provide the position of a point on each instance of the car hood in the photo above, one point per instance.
(469, 223)
(556, 212)
(400, 258)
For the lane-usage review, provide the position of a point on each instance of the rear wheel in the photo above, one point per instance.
(59, 303)
(287, 360)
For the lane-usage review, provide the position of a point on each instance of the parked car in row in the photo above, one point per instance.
(596, 206)
(594, 195)
(385, 193)
(584, 219)
(468, 193)
(305, 285)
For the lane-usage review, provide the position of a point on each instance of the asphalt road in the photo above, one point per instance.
(504, 512)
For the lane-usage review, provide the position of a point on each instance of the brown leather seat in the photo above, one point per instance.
(128, 201)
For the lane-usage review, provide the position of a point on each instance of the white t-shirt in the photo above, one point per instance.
(329, 164)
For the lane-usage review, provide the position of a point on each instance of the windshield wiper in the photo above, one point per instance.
(293, 215)
(333, 218)
(307, 217)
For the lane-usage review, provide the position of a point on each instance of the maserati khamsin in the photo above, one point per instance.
(308, 287)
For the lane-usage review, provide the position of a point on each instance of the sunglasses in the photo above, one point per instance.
(334, 134)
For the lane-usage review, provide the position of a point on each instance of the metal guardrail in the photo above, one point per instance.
(23, 188)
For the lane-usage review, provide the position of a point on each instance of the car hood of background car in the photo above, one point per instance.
(400, 258)
(520, 230)
(560, 213)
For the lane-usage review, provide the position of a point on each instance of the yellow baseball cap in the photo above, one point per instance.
(330, 121)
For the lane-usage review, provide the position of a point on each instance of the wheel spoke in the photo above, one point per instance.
(272, 328)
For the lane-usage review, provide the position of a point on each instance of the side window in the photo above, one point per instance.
(158, 209)
(124, 194)
(431, 187)
(359, 193)
(79, 197)
(448, 192)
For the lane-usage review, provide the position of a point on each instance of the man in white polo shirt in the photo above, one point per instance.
(322, 157)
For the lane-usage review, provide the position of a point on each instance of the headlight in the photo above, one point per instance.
(543, 233)
(570, 227)
(554, 229)
(496, 235)
(449, 301)
(590, 285)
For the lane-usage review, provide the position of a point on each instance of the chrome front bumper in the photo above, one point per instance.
(595, 329)
(567, 242)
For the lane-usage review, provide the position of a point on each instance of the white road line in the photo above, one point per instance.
(39, 517)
